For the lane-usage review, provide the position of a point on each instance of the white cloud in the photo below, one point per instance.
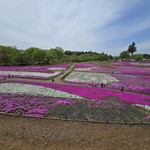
(75, 25)
(144, 46)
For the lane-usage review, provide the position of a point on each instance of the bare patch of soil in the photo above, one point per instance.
(22, 133)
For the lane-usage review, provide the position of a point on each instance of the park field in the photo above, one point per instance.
(80, 94)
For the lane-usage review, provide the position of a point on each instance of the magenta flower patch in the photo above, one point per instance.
(32, 68)
(84, 65)
(30, 105)
(63, 102)
(148, 117)
(94, 92)
(132, 83)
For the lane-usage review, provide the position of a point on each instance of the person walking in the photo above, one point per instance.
(122, 89)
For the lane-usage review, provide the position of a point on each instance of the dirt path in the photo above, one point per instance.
(21, 133)
(58, 79)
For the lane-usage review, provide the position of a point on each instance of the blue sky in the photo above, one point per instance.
(80, 25)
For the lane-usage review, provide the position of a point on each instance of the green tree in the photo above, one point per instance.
(51, 56)
(84, 57)
(23, 58)
(103, 57)
(39, 55)
(20, 59)
(68, 52)
(3, 55)
(124, 55)
(36, 55)
(7, 55)
(132, 48)
(138, 57)
(110, 57)
(29, 51)
(74, 58)
(59, 52)
(146, 56)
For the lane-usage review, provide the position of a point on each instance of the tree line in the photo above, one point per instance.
(10, 55)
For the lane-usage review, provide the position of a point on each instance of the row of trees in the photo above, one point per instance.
(137, 57)
(12, 56)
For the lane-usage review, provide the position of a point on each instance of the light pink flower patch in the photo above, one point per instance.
(148, 117)
(84, 65)
(63, 102)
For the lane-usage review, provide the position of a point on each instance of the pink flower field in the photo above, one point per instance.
(85, 65)
(94, 92)
(132, 83)
(79, 100)
(32, 68)
(35, 72)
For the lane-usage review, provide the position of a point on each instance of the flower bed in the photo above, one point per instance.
(102, 69)
(2, 77)
(131, 83)
(84, 69)
(40, 99)
(94, 67)
(134, 70)
(90, 77)
(123, 63)
(84, 65)
(132, 64)
(121, 67)
(25, 74)
(32, 68)
(19, 88)
(45, 106)
(30, 105)
(123, 70)
(94, 92)
(56, 68)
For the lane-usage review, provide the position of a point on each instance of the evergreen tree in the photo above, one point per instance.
(132, 48)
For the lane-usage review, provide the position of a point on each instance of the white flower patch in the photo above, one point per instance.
(56, 68)
(90, 77)
(19, 88)
(84, 69)
(146, 107)
(25, 73)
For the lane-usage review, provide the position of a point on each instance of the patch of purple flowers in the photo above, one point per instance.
(84, 65)
(32, 68)
(94, 103)
(30, 105)
(63, 102)
(137, 84)
(94, 92)
(148, 117)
